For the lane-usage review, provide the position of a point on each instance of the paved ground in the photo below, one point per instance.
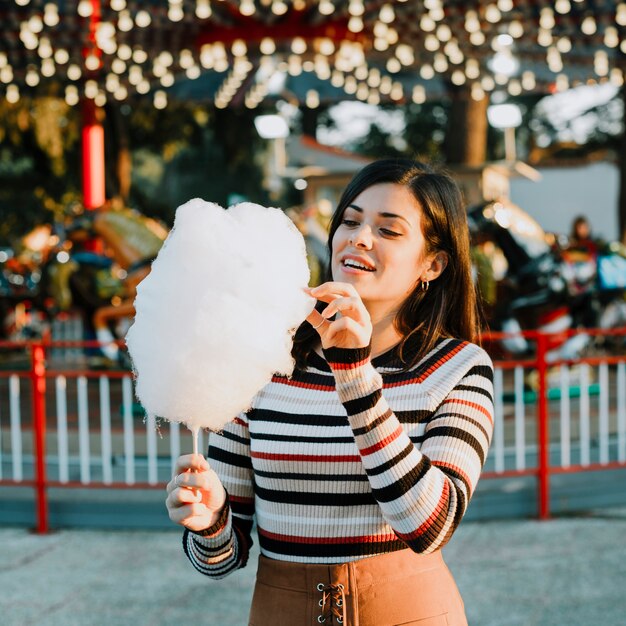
(565, 572)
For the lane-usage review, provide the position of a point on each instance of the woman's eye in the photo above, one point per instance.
(346, 222)
(389, 233)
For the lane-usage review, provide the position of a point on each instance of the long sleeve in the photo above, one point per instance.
(422, 493)
(223, 548)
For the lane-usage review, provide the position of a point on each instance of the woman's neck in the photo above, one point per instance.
(384, 334)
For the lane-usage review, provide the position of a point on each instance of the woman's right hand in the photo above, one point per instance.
(195, 496)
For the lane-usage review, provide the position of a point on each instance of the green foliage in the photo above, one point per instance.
(38, 157)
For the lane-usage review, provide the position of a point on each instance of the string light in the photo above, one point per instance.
(443, 50)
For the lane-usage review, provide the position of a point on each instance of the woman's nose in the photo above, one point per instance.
(362, 238)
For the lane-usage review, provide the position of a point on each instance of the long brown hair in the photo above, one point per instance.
(449, 307)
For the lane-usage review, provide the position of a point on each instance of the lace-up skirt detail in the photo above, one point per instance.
(388, 590)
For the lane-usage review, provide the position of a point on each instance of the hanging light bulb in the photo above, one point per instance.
(73, 72)
(427, 24)
(298, 45)
(312, 99)
(61, 56)
(418, 95)
(12, 94)
(492, 14)
(92, 62)
(91, 89)
(564, 45)
(143, 19)
(477, 38)
(32, 78)
(124, 21)
(516, 29)
(48, 69)
(589, 25)
(528, 80)
(387, 14)
(85, 9)
(326, 7)
(477, 92)
(160, 99)
(427, 71)
(546, 18)
(431, 43)
(611, 37)
(247, 7)
(279, 7)
(355, 24)
(203, 9)
(71, 95)
(562, 6)
(51, 14)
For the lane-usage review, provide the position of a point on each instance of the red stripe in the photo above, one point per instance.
(430, 521)
(457, 469)
(347, 366)
(474, 405)
(240, 500)
(326, 458)
(424, 375)
(328, 540)
(295, 383)
(383, 442)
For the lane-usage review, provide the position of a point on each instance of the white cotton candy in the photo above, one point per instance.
(216, 315)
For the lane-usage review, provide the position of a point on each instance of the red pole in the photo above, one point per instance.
(38, 377)
(543, 428)
(93, 157)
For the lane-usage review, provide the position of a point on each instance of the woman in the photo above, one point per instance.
(360, 466)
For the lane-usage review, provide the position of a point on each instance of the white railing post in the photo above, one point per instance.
(62, 441)
(16, 427)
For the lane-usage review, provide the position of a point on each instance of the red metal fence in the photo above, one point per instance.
(552, 416)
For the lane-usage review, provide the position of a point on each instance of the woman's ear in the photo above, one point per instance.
(434, 269)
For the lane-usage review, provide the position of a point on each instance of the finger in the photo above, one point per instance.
(194, 480)
(183, 513)
(181, 497)
(350, 306)
(190, 462)
(332, 289)
(347, 325)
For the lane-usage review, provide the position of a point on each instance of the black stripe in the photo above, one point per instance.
(381, 469)
(287, 476)
(457, 433)
(424, 541)
(336, 550)
(299, 439)
(485, 371)
(306, 419)
(398, 488)
(413, 417)
(341, 498)
(224, 456)
(227, 434)
(463, 417)
(448, 471)
(365, 403)
(474, 389)
(362, 430)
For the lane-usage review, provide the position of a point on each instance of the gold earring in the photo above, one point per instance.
(425, 284)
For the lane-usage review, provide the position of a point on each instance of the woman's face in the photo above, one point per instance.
(380, 248)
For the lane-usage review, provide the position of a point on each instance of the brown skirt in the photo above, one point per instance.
(388, 590)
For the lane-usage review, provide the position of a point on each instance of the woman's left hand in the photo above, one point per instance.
(352, 328)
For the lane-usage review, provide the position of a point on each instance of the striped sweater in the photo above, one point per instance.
(351, 458)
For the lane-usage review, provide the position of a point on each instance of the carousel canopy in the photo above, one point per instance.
(240, 52)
